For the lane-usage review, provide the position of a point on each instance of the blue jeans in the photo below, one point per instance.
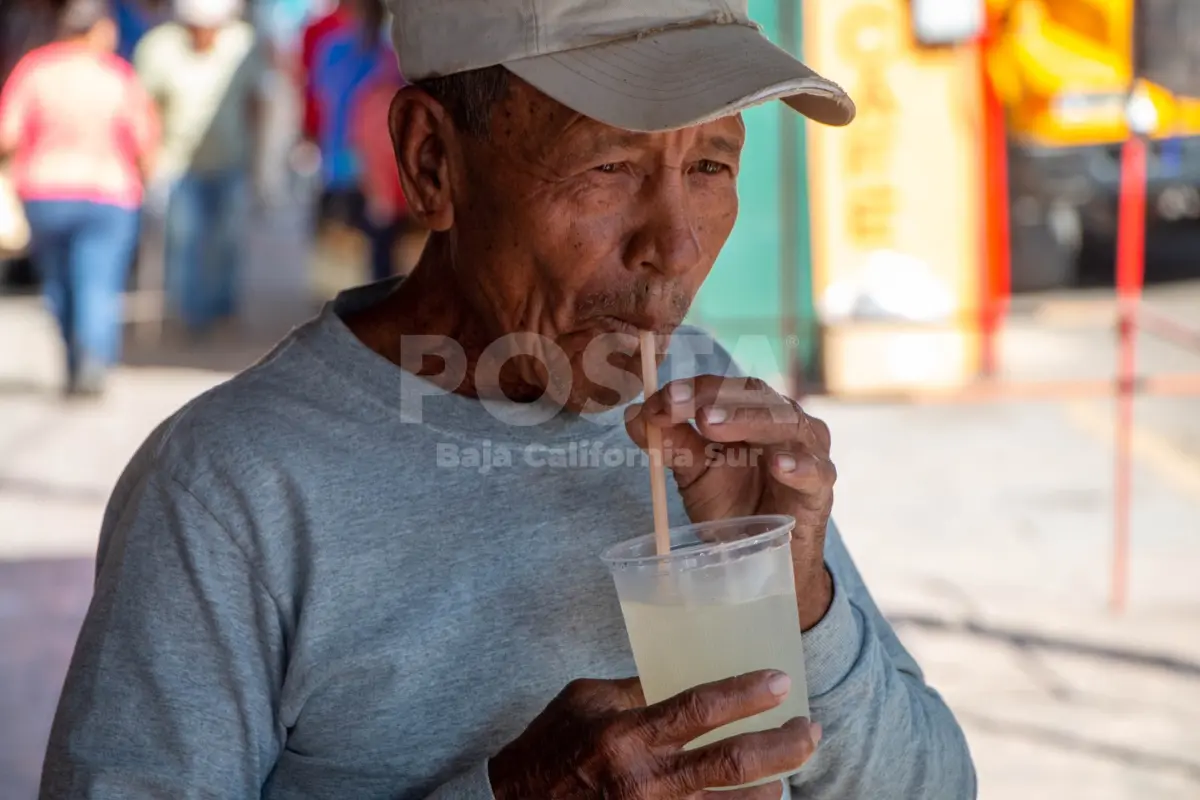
(206, 214)
(84, 251)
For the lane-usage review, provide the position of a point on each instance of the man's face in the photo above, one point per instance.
(203, 37)
(571, 229)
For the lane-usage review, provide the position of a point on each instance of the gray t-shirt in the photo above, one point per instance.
(304, 591)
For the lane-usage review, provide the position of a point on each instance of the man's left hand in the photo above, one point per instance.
(739, 448)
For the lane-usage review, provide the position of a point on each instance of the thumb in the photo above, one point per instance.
(684, 449)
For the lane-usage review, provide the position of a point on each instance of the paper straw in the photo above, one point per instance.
(658, 476)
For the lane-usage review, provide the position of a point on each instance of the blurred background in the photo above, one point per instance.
(989, 286)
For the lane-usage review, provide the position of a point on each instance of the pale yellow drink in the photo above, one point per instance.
(722, 603)
(678, 647)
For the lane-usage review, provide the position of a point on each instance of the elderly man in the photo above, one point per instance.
(308, 587)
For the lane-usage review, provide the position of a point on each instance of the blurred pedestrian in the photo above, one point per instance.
(384, 205)
(81, 132)
(24, 25)
(338, 17)
(344, 61)
(207, 71)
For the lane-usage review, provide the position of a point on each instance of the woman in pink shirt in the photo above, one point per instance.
(78, 129)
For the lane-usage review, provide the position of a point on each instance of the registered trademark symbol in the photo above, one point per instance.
(793, 340)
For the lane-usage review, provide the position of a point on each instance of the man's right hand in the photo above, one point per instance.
(598, 739)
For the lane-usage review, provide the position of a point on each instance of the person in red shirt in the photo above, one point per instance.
(344, 54)
(340, 17)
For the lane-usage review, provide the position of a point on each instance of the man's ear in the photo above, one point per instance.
(420, 131)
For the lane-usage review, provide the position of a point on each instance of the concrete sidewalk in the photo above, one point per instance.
(984, 532)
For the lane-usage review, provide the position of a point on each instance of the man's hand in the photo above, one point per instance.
(739, 448)
(599, 740)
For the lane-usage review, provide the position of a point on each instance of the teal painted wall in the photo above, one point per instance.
(807, 327)
(767, 256)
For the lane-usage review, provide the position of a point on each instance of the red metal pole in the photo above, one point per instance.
(996, 254)
(1131, 267)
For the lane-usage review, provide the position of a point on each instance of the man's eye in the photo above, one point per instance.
(710, 167)
(609, 168)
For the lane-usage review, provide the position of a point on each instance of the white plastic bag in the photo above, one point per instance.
(889, 286)
(14, 227)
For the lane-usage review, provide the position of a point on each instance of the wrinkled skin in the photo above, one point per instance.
(556, 225)
(598, 739)
(559, 229)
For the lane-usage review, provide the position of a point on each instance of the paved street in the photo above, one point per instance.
(986, 533)
(983, 529)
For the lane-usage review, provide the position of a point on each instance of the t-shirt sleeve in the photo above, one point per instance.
(174, 685)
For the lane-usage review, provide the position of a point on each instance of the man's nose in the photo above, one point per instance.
(669, 242)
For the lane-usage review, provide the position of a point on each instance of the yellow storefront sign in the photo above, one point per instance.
(895, 201)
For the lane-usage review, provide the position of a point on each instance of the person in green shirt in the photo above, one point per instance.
(206, 70)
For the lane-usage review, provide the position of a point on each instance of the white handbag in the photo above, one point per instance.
(14, 227)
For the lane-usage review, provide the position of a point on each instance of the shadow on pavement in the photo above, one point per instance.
(42, 605)
(1033, 641)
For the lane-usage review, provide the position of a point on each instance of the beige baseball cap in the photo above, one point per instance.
(207, 13)
(639, 65)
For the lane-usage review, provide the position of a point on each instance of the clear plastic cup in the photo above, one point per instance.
(721, 603)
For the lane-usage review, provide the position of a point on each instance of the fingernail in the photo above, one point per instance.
(681, 392)
(715, 416)
(815, 730)
(786, 463)
(780, 684)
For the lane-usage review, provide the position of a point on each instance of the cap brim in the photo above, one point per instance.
(682, 77)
